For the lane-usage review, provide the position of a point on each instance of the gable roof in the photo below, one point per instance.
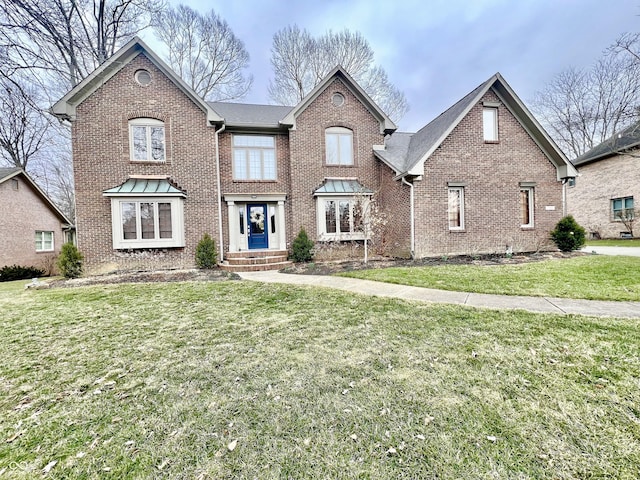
(66, 107)
(12, 172)
(386, 124)
(620, 142)
(251, 115)
(407, 155)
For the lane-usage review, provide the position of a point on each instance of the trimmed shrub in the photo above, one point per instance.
(206, 253)
(70, 261)
(568, 235)
(17, 272)
(301, 247)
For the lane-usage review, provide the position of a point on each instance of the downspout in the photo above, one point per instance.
(412, 218)
(220, 236)
(564, 197)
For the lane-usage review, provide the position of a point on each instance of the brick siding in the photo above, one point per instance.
(101, 161)
(23, 214)
(589, 201)
(492, 173)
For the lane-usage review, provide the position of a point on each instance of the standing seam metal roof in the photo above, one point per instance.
(139, 186)
(342, 186)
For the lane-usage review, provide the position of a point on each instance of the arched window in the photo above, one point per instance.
(339, 146)
(146, 140)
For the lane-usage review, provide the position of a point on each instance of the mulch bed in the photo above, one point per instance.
(328, 268)
(313, 268)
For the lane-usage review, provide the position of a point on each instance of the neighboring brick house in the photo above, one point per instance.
(32, 228)
(156, 167)
(608, 182)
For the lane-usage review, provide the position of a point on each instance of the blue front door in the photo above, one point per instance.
(257, 227)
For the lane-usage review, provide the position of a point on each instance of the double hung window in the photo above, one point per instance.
(146, 140)
(44, 241)
(622, 208)
(341, 218)
(147, 222)
(339, 146)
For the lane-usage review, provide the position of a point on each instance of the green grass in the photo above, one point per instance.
(633, 242)
(592, 277)
(158, 380)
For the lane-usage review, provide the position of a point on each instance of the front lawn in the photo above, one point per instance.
(240, 380)
(592, 277)
(632, 242)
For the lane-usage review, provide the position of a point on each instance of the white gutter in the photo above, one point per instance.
(413, 223)
(220, 236)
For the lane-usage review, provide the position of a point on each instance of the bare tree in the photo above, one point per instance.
(204, 51)
(24, 131)
(628, 218)
(582, 108)
(68, 39)
(48, 47)
(300, 62)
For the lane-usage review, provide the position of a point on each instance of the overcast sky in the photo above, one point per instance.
(437, 51)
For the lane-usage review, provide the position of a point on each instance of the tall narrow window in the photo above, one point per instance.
(526, 206)
(330, 217)
(339, 146)
(254, 157)
(490, 124)
(146, 140)
(456, 208)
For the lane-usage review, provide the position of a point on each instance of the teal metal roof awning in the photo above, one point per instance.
(145, 187)
(337, 186)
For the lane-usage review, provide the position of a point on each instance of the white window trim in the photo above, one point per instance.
(40, 241)
(261, 150)
(177, 224)
(531, 191)
(462, 221)
(323, 236)
(494, 114)
(338, 132)
(148, 123)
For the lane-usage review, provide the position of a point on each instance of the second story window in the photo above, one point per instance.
(146, 140)
(339, 146)
(490, 124)
(254, 157)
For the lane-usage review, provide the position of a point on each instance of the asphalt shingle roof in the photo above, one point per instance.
(404, 150)
(626, 139)
(250, 115)
(6, 171)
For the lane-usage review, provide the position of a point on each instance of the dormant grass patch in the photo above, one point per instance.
(243, 380)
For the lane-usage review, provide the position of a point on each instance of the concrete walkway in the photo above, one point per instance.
(508, 302)
(628, 251)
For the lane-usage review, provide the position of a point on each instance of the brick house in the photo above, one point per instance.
(606, 185)
(32, 227)
(156, 167)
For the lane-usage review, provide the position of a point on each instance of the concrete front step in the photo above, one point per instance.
(255, 254)
(257, 267)
(256, 260)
